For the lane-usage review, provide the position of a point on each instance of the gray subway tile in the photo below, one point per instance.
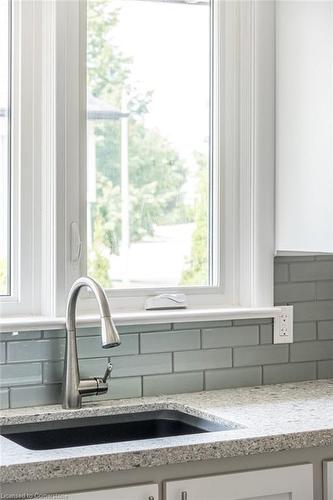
(96, 331)
(325, 330)
(118, 387)
(325, 290)
(36, 350)
(325, 369)
(279, 259)
(281, 273)
(92, 331)
(91, 347)
(94, 367)
(311, 271)
(201, 324)
(53, 334)
(251, 321)
(313, 311)
(53, 370)
(20, 374)
(170, 341)
(266, 334)
(121, 388)
(144, 328)
(201, 360)
(174, 383)
(233, 377)
(260, 355)
(294, 258)
(305, 331)
(311, 351)
(35, 395)
(20, 335)
(226, 337)
(291, 372)
(142, 364)
(2, 352)
(89, 339)
(294, 292)
(80, 332)
(324, 257)
(4, 399)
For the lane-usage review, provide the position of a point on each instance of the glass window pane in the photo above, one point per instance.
(148, 141)
(4, 147)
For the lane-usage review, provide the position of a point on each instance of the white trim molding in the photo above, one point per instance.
(257, 153)
(25, 186)
(32, 323)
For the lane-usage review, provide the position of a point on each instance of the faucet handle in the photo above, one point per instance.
(107, 373)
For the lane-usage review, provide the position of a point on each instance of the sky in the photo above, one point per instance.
(169, 44)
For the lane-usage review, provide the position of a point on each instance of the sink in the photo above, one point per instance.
(109, 429)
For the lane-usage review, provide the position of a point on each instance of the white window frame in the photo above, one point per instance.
(54, 149)
(243, 164)
(24, 184)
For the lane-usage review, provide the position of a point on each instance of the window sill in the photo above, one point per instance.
(30, 323)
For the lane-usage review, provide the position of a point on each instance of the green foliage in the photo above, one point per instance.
(109, 71)
(197, 266)
(107, 68)
(156, 177)
(98, 263)
(107, 215)
(156, 172)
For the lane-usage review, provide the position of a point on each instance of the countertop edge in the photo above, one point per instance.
(116, 462)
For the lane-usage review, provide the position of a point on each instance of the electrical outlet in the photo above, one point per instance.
(283, 326)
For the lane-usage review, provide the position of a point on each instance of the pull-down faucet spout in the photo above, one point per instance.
(74, 388)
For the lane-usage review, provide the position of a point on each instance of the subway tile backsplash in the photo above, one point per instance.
(194, 356)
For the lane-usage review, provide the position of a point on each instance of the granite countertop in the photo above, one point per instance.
(265, 419)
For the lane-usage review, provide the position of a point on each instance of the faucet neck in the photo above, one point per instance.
(73, 388)
(71, 395)
(73, 296)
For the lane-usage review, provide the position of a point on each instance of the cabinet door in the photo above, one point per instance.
(328, 480)
(285, 483)
(304, 126)
(140, 492)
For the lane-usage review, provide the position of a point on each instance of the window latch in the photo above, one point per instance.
(76, 243)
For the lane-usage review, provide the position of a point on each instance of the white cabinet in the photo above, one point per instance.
(328, 480)
(304, 126)
(139, 492)
(285, 483)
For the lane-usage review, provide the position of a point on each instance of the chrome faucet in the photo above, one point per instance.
(73, 389)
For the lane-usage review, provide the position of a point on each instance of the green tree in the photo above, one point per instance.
(157, 173)
(196, 272)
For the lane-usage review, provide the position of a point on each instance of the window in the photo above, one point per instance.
(146, 160)
(5, 58)
(148, 143)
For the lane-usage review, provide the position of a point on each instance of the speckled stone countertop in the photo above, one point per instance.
(266, 419)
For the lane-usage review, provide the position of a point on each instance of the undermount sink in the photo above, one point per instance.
(109, 429)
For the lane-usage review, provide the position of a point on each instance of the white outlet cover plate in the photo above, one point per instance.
(283, 326)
